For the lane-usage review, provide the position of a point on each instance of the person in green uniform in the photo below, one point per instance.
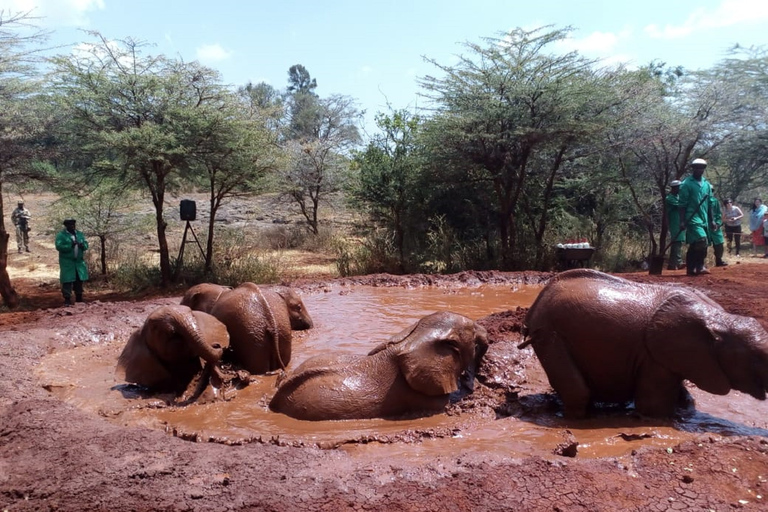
(716, 234)
(676, 234)
(696, 217)
(71, 245)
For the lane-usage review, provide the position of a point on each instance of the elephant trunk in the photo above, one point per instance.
(191, 332)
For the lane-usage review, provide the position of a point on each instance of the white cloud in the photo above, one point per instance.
(596, 43)
(209, 53)
(55, 12)
(728, 13)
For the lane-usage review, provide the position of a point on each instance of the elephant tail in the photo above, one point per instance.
(272, 329)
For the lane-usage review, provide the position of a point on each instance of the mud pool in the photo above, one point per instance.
(354, 319)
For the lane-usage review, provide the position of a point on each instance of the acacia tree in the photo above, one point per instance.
(682, 117)
(237, 149)
(321, 133)
(24, 119)
(137, 116)
(742, 162)
(509, 117)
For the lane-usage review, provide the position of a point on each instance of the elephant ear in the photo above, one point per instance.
(394, 339)
(430, 362)
(682, 337)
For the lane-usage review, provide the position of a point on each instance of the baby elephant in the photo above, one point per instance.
(164, 354)
(259, 322)
(415, 371)
(607, 339)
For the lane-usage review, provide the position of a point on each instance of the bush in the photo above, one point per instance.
(134, 273)
(236, 259)
(370, 255)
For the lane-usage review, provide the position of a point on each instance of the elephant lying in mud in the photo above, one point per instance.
(165, 353)
(414, 371)
(259, 322)
(601, 338)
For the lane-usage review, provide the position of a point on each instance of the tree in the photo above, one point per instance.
(137, 116)
(509, 118)
(23, 118)
(680, 116)
(387, 169)
(741, 163)
(235, 153)
(321, 134)
(299, 80)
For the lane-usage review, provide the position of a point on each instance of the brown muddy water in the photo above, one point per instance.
(352, 320)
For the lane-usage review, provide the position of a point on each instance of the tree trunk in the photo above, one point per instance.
(158, 198)
(215, 203)
(103, 243)
(7, 292)
(10, 297)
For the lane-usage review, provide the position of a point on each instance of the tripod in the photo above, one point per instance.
(184, 242)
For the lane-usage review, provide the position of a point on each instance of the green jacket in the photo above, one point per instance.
(673, 218)
(71, 265)
(717, 217)
(694, 197)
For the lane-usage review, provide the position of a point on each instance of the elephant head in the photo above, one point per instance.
(414, 371)
(165, 353)
(715, 350)
(434, 352)
(297, 311)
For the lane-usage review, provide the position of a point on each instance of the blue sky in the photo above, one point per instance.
(373, 50)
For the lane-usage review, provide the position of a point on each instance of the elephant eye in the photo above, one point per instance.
(452, 344)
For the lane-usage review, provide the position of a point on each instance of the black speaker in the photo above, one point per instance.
(187, 209)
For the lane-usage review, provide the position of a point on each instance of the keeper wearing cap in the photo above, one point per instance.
(71, 245)
(677, 235)
(696, 216)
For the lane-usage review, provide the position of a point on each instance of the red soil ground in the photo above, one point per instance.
(54, 456)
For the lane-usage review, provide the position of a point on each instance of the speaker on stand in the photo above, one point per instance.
(187, 212)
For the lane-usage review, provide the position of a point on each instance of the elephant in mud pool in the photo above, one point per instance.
(259, 322)
(415, 371)
(165, 353)
(602, 338)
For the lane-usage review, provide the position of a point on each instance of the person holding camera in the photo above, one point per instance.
(71, 245)
(20, 218)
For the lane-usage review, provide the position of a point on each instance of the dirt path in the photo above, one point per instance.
(53, 456)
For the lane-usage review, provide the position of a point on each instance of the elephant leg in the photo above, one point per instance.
(562, 372)
(658, 392)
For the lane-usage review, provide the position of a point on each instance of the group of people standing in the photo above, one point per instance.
(695, 217)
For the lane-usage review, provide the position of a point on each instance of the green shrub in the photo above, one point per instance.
(135, 274)
(370, 255)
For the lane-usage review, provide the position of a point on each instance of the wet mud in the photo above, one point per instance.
(73, 437)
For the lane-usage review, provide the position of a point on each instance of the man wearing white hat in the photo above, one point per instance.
(696, 217)
(677, 235)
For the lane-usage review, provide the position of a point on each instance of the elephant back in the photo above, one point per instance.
(253, 318)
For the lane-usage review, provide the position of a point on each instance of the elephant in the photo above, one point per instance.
(602, 338)
(164, 354)
(415, 371)
(259, 322)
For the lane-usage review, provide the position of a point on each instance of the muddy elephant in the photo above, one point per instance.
(259, 322)
(601, 338)
(413, 372)
(165, 353)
